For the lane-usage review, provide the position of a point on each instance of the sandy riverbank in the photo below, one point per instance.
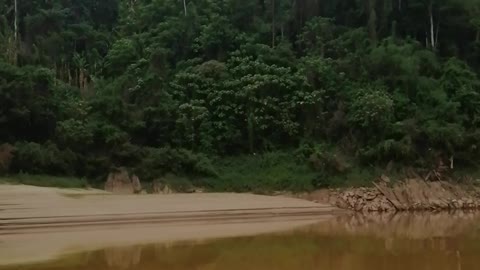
(42, 223)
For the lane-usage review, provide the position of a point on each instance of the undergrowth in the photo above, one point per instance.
(44, 181)
(261, 174)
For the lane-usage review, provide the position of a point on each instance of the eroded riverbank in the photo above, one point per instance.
(411, 195)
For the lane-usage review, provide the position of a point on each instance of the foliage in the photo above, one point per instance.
(43, 158)
(269, 172)
(370, 109)
(178, 183)
(158, 162)
(214, 91)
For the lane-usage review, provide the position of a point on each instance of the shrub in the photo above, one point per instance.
(159, 161)
(177, 183)
(371, 108)
(322, 158)
(261, 173)
(43, 159)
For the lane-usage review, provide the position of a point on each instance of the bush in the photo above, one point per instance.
(387, 150)
(322, 158)
(333, 168)
(371, 108)
(43, 159)
(177, 183)
(159, 161)
(261, 173)
(355, 177)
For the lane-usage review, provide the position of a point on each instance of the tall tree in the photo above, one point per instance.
(16, 41)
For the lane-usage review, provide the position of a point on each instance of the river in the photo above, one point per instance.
(435, 241)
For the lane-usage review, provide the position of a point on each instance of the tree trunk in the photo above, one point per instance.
(192, 146)
(69, 73)
(81, 81)
(15, 53)
(282, 31)
(394, 29)
(372, 20)
(432, 26)
(75, 78)
(427, 42)
(251, 132)
(273, 23)
(185, 7)
(132, 5)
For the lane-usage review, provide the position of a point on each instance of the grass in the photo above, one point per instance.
(261, 174)
(44, 181)
(282, 171)
(354, 177)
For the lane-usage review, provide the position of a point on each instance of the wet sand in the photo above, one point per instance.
(38, 224)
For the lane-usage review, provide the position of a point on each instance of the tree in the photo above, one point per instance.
(123, 82)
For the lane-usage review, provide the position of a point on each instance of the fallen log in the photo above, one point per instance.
(390, 196)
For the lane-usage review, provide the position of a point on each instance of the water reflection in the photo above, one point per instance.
(123, 257)
(392, 242)
(408, 225)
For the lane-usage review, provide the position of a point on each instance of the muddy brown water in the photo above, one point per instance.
(353, 242)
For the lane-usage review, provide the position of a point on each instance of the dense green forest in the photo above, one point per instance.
(239, 94)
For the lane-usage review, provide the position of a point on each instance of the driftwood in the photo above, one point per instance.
(390, 195)
(418, 194)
